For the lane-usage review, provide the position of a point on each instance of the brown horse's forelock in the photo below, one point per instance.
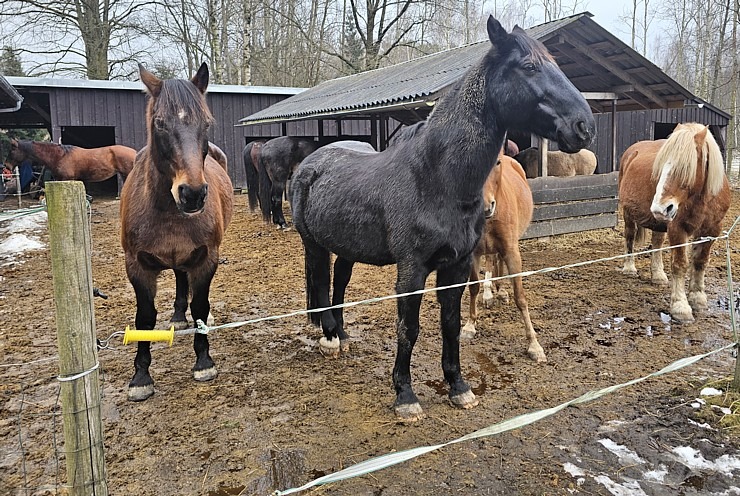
(177, 95)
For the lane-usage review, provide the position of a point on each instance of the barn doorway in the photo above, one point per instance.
(663, 129)
(93, 137)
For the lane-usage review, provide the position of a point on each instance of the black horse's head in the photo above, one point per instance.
(178, 120)
(524, 78)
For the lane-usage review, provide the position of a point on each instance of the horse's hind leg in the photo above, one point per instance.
(276, 205)
(318, 276)
(630, 232)
(200, 308)
(449, 299)
(182, 291)
(513, 260)
(144, 283)
(468, 330)
(657, 273)
(342, 275)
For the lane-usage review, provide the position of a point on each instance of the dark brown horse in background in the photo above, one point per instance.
(174, 211)
(509, 207)
(278, 158)
(68, 162)
(676, 186)
(251, 155)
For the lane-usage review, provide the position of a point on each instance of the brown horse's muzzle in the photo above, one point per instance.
(191, 200)
(490, 209)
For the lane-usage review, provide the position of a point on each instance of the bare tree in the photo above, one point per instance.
(73, 35)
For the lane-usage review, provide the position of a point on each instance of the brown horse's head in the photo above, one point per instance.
(178, 120)
(491, 187)
(16, 154)
(688, 164)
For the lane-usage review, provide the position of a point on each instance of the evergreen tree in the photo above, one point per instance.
(10, 63)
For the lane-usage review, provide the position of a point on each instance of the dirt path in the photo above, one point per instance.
(280, 414)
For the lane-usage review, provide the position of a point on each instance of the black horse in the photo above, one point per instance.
(251, 154)
(278, 158)
(418, 204)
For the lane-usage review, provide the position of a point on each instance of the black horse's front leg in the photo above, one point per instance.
(141, 386)
(204, 368)
(276, 204)
(449, 300)
(407, 328)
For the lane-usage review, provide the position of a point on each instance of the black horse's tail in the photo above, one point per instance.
(253, 180)
(318, 266)
(265, 189)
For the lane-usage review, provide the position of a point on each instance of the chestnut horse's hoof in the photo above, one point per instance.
(329, 347)
(660, 279)
(537, 354)
(468, 331)
(409, 412)
(681, 312)
(205, 375)
(140, 393)
(464, 400)
(698, 300)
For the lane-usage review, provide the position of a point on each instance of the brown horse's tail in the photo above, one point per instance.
(640, 236)
(253, 180)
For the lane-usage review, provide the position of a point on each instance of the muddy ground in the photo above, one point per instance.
(279, 414)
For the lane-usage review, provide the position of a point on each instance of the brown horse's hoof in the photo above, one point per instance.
(409, 412)
(464, 400)
(537, 354)
(140, 393)
(698, 300)
(329, 348)
(205, 375)
(681, 312)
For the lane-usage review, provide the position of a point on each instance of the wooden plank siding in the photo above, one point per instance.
(572, 204)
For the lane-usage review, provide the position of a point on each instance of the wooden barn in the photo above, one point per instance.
(99, 113)
(632, 100)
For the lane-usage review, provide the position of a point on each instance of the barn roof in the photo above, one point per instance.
(10, 99)
(597, 62)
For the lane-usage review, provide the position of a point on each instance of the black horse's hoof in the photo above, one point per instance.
(205, 375)
(329, 347)
(140, 393)
(464, 400)
(409, 412)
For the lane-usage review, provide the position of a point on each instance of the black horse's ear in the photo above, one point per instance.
(153, 83)
(200, 80)
(496, 32)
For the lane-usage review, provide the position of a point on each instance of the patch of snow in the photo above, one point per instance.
(18, 240)
(693, 459)
(698, 402)
(708, 391)
(16, 244)
(626, 456)
(629, 488)
(657, 475)
(702, 425)
(573, 470)
(723, 409)
(32, 222)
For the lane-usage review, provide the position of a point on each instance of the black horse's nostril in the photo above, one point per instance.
(582, 130)
(192, 200)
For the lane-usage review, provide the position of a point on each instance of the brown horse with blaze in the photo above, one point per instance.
(175, 208)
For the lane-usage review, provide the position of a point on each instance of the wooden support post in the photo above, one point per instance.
(544, 146)
(69, 243)
(614, 135)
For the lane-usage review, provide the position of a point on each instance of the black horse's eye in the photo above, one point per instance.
(529, 67)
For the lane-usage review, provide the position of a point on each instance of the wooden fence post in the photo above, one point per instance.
(69, 243)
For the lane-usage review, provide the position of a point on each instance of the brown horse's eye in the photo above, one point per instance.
(159, 124)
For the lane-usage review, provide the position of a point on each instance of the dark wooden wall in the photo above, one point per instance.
(640, 125)
(124, 109)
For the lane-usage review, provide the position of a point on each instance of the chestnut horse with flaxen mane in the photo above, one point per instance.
(676, 186)
(174, 211)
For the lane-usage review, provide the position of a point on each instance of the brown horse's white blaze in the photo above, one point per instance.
(508, 190)
(675, 187)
